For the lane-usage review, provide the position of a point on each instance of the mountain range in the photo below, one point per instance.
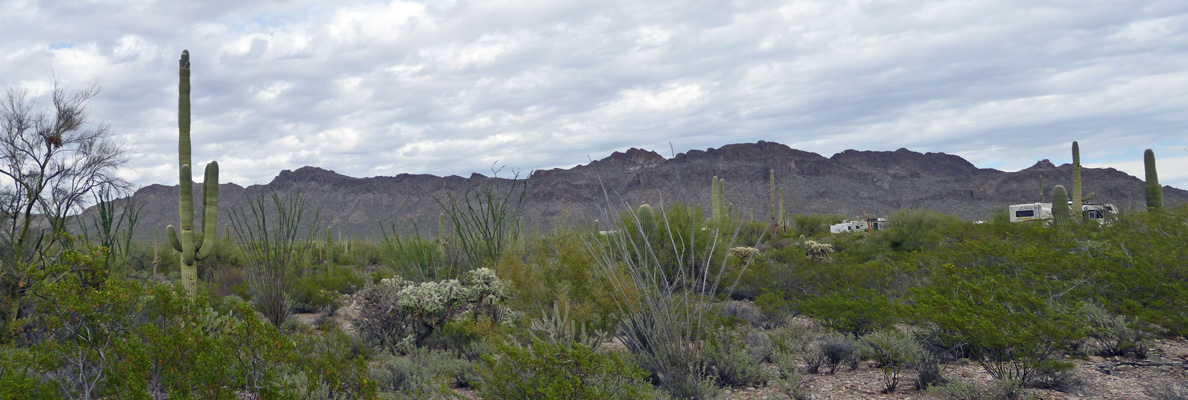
(852, 183)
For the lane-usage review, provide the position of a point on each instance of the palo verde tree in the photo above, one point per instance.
(51, 161)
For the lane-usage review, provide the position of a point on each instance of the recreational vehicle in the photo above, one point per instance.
(1102, 213)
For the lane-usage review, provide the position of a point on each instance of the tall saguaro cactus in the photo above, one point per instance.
(1077, 199)
(1154, 191)
(191, 244)
(773, 203)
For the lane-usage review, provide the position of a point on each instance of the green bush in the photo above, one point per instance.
(733, 362)
(316, 292)
(421, 374)
(891, 351)
(554, 371)
(1011, 331)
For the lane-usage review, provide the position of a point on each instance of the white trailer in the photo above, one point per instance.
(1102, 213)
(859, 225)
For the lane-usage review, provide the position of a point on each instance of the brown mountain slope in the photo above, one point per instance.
(851, 183)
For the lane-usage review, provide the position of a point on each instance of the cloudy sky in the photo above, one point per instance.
(369, 88)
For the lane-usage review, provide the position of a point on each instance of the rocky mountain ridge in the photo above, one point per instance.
(852, 183)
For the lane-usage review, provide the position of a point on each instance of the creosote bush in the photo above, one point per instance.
(561, 371)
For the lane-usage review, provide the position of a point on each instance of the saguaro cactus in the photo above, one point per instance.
(1154, 191)
(773, 203)
(1060, 210)
(192, 245)
(1076, 194)
(717, 187)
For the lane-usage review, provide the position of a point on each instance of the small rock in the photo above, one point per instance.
(1096, 359)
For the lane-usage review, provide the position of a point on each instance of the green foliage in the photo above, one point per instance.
(917, 230)
(815, 225)
(857, 311)
(269, 233)
(558, 371)
(1113, 335)
(997, 390)
(185, 239)
(891, 351)
(97, 336)
(323, 291)
(1154, 191)
(485, 219)
(732, 361)
(1013, 332)
(422, 259)
(422, 374)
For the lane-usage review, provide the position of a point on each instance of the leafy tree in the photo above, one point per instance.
(50, 162)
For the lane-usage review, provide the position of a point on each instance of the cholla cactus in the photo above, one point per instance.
(485, 288)
(817, 251)
(745, 254)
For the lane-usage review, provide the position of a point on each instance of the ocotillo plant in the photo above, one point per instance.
(1076, 194)
(1060, 210)
(1154, 191)
(192, 245)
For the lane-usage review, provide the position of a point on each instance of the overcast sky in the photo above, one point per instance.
(369, 88)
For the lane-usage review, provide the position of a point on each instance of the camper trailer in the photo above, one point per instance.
(860, 225)
(1102, 213)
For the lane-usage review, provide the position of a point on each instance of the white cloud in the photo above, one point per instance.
(385, 87)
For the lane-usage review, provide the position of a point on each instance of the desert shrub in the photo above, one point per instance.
(856, 311)
(774, 309)
(97, 336)
(928, 372)
(1168, 390)
(915, 230)
(420, 374)
(814, 358)
(732, 361)
(324, 291)
(837, 349)
(422, 259)
(557, 371)
(760, 345)
(789, 381)
(742, 311)
(797, 336)
(996, 390)
(814, 225)
(1010, 330)
(891, 351)
(1113, 335)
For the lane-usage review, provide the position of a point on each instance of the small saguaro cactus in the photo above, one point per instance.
(1060, 210)
(1077, 199)
(193, 246)
(716, 198)
(647, 219)
(1154, 191)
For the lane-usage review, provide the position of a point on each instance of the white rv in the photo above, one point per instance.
(1043, 212)
(859, 225)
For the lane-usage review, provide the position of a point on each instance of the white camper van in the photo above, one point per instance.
(860, 225)
(1043, 212)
